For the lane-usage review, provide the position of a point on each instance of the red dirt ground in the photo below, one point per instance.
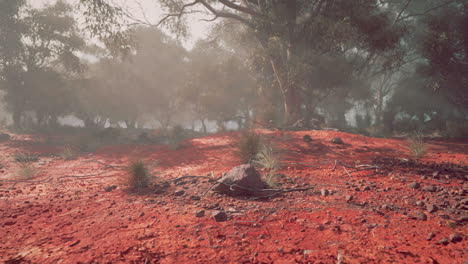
(60, 217)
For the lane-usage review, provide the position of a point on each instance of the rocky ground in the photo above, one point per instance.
(364, 201)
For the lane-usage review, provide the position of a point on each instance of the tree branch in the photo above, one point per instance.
(239, 8)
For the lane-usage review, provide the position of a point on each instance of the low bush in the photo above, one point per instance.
(26, 171)
(417, 145)
(138, 175)
(268, 159)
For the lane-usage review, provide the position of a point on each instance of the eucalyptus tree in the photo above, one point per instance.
(39, 57)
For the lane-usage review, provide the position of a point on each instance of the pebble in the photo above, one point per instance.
(349, 198)
(430, 188)
(443, 241)
(220, 216)
(200, 213)
(324, 192)
(415, 185)
(110, 188)
(455, 238)
(179, 192)
(337, 140)
(430, 236)
(421, 216)
(432, 208)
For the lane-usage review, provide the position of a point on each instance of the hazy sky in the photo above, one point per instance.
(153, 13)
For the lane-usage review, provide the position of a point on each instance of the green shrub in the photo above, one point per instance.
(249, 146)
(138, 175)
(417, 145)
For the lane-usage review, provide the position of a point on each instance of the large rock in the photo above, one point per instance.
(241, 180)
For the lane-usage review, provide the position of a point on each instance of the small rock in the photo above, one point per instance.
(195, 198)
(443, 241)
(455, 238)
(430, 188)
(200, 213)
(419, 203)
(421, 216)
(220, 216)
(179, 192)
(110, 188)
(463, 220)
(415, 185)
(430, 236)
(367, 188)
(307, 138)
(349, 198)
(386, 207)
(432, 208)
(324, 192)
(337, 140)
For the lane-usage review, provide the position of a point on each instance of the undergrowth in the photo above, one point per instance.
(138, 175)
(268, 159)
(26, 171)
(249, 146)
(26, 157)
(417, 145)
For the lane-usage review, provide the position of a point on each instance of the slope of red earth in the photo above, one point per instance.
(374, 211)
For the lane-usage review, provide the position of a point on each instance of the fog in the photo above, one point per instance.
(396, 67)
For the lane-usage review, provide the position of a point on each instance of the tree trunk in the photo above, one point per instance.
(202, 120)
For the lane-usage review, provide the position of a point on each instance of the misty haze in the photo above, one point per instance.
(233, 131)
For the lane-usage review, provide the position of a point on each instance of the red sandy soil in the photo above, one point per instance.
(60, 217)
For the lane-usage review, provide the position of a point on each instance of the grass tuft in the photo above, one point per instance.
(26, 171)
(249, 146)
(417, 145)
(26, 157)
(268, 159)
(138, 175)
(68, 153)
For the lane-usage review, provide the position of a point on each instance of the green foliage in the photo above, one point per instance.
(138, 175)
(249, 146)
(417, 145)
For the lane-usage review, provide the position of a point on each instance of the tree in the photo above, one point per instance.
(36, 68)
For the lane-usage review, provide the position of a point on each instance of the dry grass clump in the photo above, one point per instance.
(138, 175)
(417, 145)
(268, 159)
(68, 153)
(26, 157)
(249, 146)
(26, 171)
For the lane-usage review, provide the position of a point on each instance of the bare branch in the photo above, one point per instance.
(427, 11)
(239, 8)
(401, 11)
